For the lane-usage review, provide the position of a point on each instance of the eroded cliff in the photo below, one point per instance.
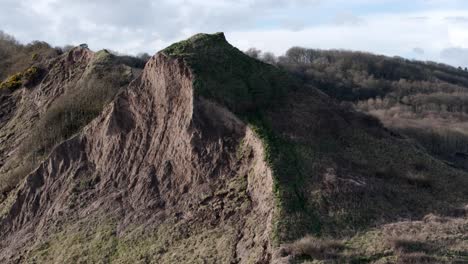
(210, 156)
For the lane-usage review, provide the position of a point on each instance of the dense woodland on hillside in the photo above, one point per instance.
(425, 101)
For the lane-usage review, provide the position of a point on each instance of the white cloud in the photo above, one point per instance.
(132, 26)
(389, 34)
(456, 56)
(418, 51)
(348, 18)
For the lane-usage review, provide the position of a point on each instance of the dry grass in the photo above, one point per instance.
(409, 245)
(415, 258)
(410, 251)
(418, 179)
(311, 247)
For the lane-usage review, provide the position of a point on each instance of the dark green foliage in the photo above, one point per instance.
(134, 62)
(409, 246)
(229, 76)
(32, 76)
(297, 214)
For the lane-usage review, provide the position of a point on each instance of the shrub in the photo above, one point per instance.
(73, 111)
(13, 82)
(28, 77)
(31, 75)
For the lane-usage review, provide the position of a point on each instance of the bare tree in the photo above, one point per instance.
(254, 53)
(269, 58)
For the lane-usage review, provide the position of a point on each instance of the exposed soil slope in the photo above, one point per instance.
(67, 93)
(157, 158)
(213, 157)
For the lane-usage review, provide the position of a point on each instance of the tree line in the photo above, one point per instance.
(425, 101)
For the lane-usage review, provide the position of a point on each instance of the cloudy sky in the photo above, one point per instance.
(416, 29)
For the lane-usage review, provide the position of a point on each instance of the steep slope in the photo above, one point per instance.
(213, 157)
(65, 94)
(157, 159)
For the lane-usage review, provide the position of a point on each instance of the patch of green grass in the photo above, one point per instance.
(296, 215)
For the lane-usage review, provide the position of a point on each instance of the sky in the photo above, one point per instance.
(435, 30)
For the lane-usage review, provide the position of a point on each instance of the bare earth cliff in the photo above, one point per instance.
(209, 156)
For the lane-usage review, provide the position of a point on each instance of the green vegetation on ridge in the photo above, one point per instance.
(224, 73)
(339, 144)
(249, 88)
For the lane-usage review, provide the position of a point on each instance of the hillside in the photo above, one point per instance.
(55, 101)
(210, 156)
(425, 101)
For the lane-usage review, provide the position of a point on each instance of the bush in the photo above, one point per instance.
(73, 111)
(32, 75)
(28, 77)
(13, 82)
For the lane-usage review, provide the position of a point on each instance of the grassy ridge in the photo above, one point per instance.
(398, 178)
(227, 75)
(250, 88)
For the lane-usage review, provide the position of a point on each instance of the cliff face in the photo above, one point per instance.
(211, 156)
(21, 110)
(157, 156)
(67, 93)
